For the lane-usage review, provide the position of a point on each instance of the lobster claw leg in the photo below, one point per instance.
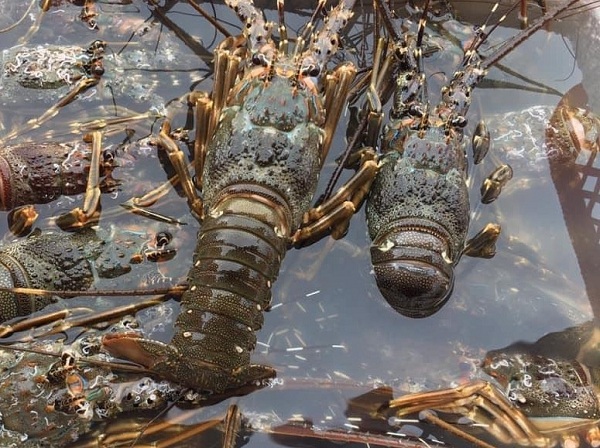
(168, 362)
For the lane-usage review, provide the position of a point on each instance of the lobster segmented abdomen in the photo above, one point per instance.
(237, 259)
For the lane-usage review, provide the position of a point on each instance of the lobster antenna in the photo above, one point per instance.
(387, 20)
(176, 289)
(301, 40)
(586, 7)
(422, 23)
(419, 58)
(308, 29)
(95, 362)
(480, 34)
(518, 39)
(483, 37)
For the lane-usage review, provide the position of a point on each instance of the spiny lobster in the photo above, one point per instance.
(541, 394)
(418, 209)
(262, 137)
(50, 260)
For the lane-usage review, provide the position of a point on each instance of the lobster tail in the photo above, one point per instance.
(418, 218)
(237, 258)
(411, 271)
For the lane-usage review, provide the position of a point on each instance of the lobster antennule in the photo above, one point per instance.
(518, 39)
(308, 29)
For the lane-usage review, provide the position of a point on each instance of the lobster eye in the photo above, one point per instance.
(109, 156)
(163, 238)
(459, 122)
(415, 110)
(312, 70)
(259, 59)
(97, 68)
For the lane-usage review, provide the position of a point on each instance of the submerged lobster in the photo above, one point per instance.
(418, 208)
(70, 262)
(261, 141)
(539, 394)
(53, 391)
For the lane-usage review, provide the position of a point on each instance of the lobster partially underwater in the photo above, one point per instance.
(539, 394)
(52, 260)
(262, 137)
(53, 391)
(418, 209)
(37, 173)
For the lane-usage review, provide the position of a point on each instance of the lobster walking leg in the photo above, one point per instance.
(89, 213)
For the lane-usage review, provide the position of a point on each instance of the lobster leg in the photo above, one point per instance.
(335, 213)
(483, 245)
(21, 219)
(60, 321)
(481, 402)
(207, 111)
(337, 86)
(89, 213)
(177, 159)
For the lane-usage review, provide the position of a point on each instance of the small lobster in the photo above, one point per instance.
(262, 137)
(418, 209)
(69, 262)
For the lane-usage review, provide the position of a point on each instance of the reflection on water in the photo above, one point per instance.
(330, 334)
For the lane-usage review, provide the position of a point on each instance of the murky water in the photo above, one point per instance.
(330, 334)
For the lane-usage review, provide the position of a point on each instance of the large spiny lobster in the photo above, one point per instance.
(418, 208)
(262, 137)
